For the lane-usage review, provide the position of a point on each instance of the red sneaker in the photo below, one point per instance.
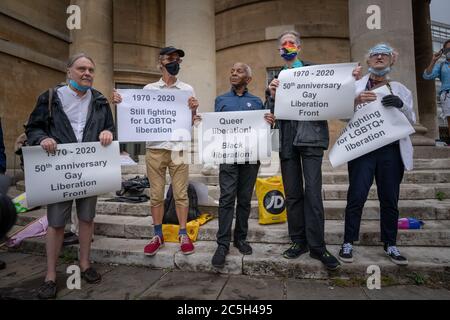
(187, 247)
(155, 244)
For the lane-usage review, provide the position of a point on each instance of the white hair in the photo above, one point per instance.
(247, 68)
(293, 33)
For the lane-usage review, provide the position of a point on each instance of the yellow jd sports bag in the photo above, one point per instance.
(271, 200)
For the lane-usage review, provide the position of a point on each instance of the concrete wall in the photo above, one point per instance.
(247, 31)
(33, 51)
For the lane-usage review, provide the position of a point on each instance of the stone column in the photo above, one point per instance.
(397, 30)
(190, 25)
(95, 38)
(423, 44)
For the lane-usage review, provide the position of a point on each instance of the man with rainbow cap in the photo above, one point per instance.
(386, 164)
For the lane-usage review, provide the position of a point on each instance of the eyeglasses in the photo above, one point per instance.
(383, 55)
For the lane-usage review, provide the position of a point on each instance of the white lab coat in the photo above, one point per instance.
(406, 148)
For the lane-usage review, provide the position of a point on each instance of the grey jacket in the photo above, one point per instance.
(299, 133)
(56, 125)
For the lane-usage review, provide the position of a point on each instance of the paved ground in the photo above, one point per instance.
(24, 273)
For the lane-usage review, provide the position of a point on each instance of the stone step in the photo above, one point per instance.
(410, 191)
(336, 177)
(334, 209)
(335, 186)
(434, 233)
(407, 191)
(266, 260)
(419, 164)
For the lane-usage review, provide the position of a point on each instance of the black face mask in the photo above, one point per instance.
(173, 68)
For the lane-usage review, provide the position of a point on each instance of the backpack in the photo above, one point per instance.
(170, 213)
(133, 187)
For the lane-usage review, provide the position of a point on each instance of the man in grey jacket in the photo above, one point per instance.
(69, 114)
(302, 144)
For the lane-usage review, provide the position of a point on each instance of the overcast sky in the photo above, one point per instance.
(440, 11)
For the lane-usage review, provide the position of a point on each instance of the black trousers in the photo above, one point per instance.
(386, 165)
(236, 181)
(304, 204)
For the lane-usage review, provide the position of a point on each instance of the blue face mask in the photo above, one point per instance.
(78, 87)
(380, 73)
(447, 56)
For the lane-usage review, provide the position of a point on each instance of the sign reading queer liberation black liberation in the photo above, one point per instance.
(372, 126)
(234, 137)
(154, 115)
(75, 170)
(321, 92)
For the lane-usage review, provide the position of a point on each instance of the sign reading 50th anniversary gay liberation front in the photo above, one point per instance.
(321, 92)
(154, 115)
(234, 137)
(372, 126)
(75, 170)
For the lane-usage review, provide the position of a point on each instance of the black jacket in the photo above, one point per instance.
(298, 133)
(40, 125)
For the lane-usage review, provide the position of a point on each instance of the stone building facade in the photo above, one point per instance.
(124, 37)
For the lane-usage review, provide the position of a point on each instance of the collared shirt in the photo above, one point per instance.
(441, 71)
(169, 145)
(297, 64)
(230, 101)
(76, 108)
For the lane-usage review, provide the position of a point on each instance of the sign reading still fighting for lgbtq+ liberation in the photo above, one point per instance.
(154, 115)
(372, 126)
(75, 170)
(321, 92)
(234, 137)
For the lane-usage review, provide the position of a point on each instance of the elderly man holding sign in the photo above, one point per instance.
(68, 114)
(387, 162)
(302, 144)
(237, 180)
(163, 155)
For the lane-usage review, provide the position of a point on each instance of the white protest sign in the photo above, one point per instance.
(372, 126)
(234, 137)
(154, 115)
(75, 170)
(321, 92)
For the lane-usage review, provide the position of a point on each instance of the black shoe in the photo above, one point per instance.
(295, 251)
(243, 247)
(91, 275)
(218, 260)
(47, 290)
(2, 265)
(330, 262)
(70, 238)
(346, 253)
(394, 254)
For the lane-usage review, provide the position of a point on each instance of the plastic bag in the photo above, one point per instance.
(410, 223)
(170, 231)
(271, 200)
(20, 202)
(36, 228)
